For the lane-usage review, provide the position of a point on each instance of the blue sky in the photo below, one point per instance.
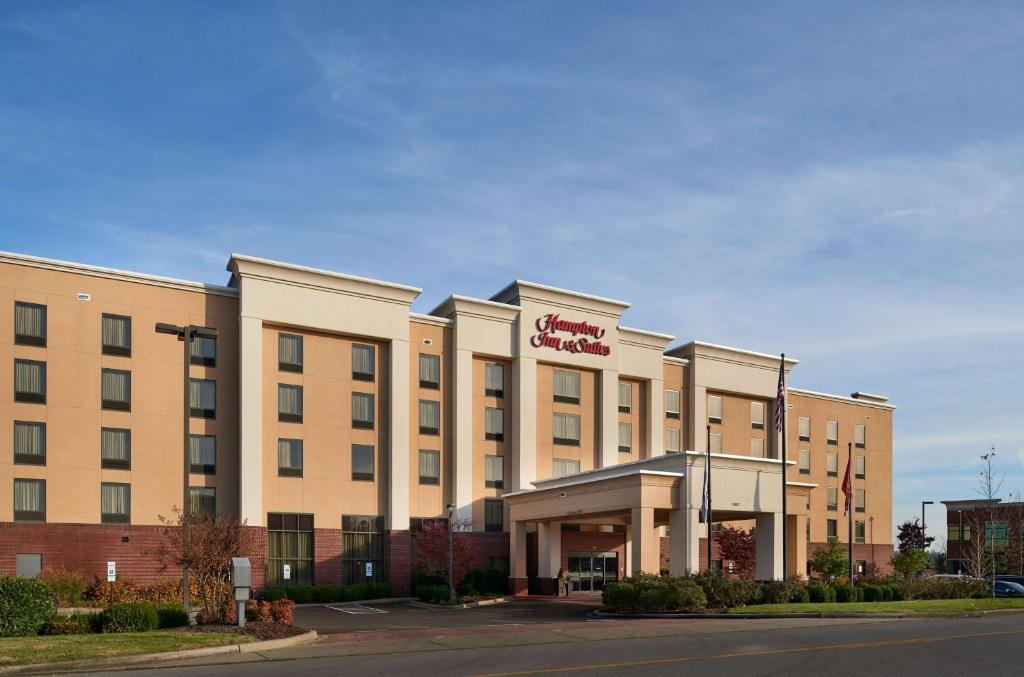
(839, 181)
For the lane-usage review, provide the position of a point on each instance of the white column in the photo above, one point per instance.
(769, 546)
(524, 372)
(549, 549)
(608, 451)
(517, 549)
(398, 435)
(697, 428)
(644, 542)
(655, 417)
(684, 530)
(250, 421)
(462, 454)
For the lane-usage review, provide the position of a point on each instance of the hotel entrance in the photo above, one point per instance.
(589, 571)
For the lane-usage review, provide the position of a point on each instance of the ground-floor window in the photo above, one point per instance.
(289, 549)
(494, 515)
(362, 549)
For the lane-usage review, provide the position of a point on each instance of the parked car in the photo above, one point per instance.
(1011, 578)
(1007, 589)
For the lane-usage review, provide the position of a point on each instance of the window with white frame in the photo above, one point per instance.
(362, 411)
(672, 440)
(30, 442)
(494, 380)
(716, 443)
(362, 362)
(30, 381)
(566, 429)
(203, 351)
(714, 409)
(858, 532)
(566, 386)
(430, 466)
(563, 467)
(203, 395)
(859, 467)
(289, 353)
(832, 432)
(832, 464)
(202, 501)
(672, 404)
(859, 436)
(805, 428)
(289, 458)
(757, 447)
(494, 424)
(362, 462)
(116, 448)
(832, 529)
(805, 462)
(29, 324)
(289, 403)
(115, 503)
(29, 500)
(625, 437)
(757, 415)
(494, 471)
(625, 397)
(430, 371)
(202, 454)
(858, 500)
(833, 499)
(116, 335)
(430, 417)
(116, 389)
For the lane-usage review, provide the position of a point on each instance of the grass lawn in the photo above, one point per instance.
(52, 649)
(933, 605)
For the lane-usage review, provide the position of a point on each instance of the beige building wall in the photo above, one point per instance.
(430, 338)
(587, 452)
(482, 447)
(637, 419)
(675, 379)
(736, 427)
(72, 412)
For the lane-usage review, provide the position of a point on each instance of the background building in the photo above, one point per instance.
(980, 532)
(334, 421)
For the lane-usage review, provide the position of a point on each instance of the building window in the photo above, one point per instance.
(362, 462)
(289, 544)
(202, 501)
(833, 499)
(30, 442)
(494, 515)
(30, 381)
(625, 437)
(625, 397)
(832, 432)
(417, 524)
(116, 335)
(116, 389)
(858, 436)
(430, 467)
(29, 324)
(714, 409)
(203, 398)
(996, 533)
(362, 362)
(430, 371)
(858, 532)
(563, 467)
(116, 448)
(115, 503)
(567, 386)
(805, 462)
(362, 411)
(832, 529)
(672, 442)
(430, 417)
(858, 500)
(362, 549)
(289, 353)
(805, 428)
(494, 380)
(952, 532)
(203, 351)
(566, 429)
(289, 403)
(832, 464)
(757, 415)
(716, 443)
(757, 447)
(202, 454)
(672, 404)
(289, 458)
(494, 424)
(858, 465)
(494, 472)
(29, 500)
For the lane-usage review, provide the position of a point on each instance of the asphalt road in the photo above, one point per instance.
(992, 645)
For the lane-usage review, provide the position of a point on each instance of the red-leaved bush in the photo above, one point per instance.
(281, 611)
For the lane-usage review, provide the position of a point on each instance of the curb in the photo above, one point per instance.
(382, 600)
(92, 664)
(820, 614)
(467, 605)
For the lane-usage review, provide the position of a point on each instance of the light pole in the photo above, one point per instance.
(186, 335)
(451, 557)
(923, 504)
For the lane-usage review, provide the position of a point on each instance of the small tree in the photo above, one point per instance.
(909, 563)
(432, 549)
(212, 542)
(738, 545)
(973, 555)
(911, 536)
(831, 561)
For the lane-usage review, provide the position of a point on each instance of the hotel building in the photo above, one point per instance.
(334, 421)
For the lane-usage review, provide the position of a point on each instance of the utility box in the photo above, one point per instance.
(241, 580)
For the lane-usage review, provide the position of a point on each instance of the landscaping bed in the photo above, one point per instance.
(906, 606)
(59, 648)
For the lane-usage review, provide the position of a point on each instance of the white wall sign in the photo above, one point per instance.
(287, 572)
(369, 569)
(111, 571)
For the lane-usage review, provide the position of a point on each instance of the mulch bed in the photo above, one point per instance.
(252, 629)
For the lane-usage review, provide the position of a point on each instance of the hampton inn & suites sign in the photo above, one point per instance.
(569, 336)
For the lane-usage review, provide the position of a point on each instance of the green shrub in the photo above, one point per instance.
(816, 592)
(274, 594)
(26, 604)
(723, 591)
(798, 593)
(943, 588)
(130, 617)
(651, 594)
(620, 597)
(300, 594)
(328, 593)
(67, 586)
(486, 581)
(75, 624)
(889, 592)
(847, 593)
(773, 592)
(171, 617)
(432, 593)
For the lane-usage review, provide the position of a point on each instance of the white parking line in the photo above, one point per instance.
(358, 609)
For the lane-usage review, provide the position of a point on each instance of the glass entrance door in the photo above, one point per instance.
(589, 571)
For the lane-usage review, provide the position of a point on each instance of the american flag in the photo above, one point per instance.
(780, 399)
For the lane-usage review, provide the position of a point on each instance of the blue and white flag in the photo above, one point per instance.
(704, 500)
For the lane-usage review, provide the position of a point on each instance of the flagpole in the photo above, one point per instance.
(784, 456)
(708, 461)
(849, 502)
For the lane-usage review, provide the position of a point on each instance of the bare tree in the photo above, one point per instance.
(973, 557)
(990, 484)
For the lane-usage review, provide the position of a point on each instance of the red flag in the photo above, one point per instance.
(847, 489)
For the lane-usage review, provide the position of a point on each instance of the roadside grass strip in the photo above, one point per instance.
(921, 605)
(59, 648)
